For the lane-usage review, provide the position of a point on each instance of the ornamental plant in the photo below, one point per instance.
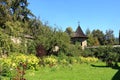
(12, 62)
(88, 59)
(63, 61)
(50, 61)
(31, 60)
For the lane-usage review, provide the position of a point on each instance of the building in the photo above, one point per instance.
(79, 36)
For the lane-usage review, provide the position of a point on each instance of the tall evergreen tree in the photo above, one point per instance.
(19, 9)
(14, 19)
(14, 10)
(88, 32)
(4, 11)
(92, 40)
(99, 35)
(119, 37)
(109, 37)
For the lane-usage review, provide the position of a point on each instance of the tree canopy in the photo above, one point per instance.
(21, 31)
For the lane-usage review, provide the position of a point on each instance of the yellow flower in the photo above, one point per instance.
(13, 65)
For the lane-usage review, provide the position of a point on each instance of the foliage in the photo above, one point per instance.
(69, 31)
(66, 60)
(17, 22)
(88, 59)
(13, 28)
(14, 22)
(12, 38)
(30, 60)
(92, 41)
(31, 47)
(74, 49)
(37, 34)
(50, 61)
(109, 37)
(88, 53)
(119, 37)
(99, 35)
(106, 53)
(14, 10)
(19, 72)
(14, 60)
(4, 42)
(49, 37)
(116, 41)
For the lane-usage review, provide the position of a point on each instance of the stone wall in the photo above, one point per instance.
(84, 44)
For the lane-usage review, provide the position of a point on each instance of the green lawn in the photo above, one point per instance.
(75, 72)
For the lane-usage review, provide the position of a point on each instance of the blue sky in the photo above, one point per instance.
(92, 14)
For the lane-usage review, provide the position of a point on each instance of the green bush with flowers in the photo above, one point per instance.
(72, 60)
(50, 61)
(10, 64)
(31, 61)
(63, 61)
(5, 66)
(88, 59)
(13, 61)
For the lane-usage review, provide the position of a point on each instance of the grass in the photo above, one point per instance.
(74, 72)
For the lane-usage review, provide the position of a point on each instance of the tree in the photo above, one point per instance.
(69, 31)
(99, 35)
(14, 22)
(109, 37)
(14, 10)
(92, 41)
(119, 37)
(19, 10)
(88, 32)
(5, 42)
(49, 37)
(5, 14)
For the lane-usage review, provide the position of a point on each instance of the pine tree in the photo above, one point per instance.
(19, 10)
(109, 37)
(119, 37)
(14, 10)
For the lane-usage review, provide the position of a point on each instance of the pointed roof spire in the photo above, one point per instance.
(79, 32)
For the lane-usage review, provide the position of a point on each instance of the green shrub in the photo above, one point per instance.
(72, 60)
(50, 61)
(66, 60)
(87, 53)
(88, 59)
(74, 50)
(106, 52)
(13, 61)
(63, 62)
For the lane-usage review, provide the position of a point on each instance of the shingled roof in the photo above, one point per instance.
(79, 33)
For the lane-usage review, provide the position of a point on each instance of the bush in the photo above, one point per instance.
(88, 59)
(107, 52)
(87, 53)
(74, 50)
(66, 60)
(14, 61)
(49, 37)
(50, 61)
